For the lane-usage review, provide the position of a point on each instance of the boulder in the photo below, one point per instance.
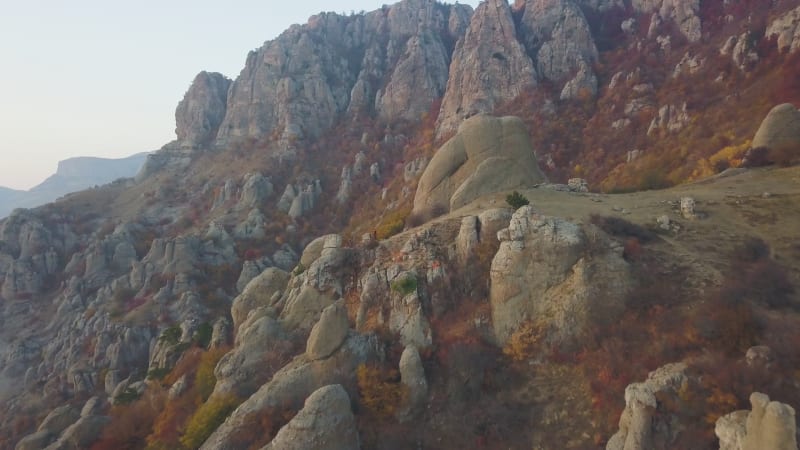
(329, 332)
(59, 419)
(258, 292)
(256, 189)
(412, 375)
(780, 131)
(326, 422)
(241, 371)
(561, 275)
(489, 154)
(35, 441)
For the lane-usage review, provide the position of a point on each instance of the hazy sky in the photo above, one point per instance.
(102, 78)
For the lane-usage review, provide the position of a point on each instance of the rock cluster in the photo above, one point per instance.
(557, 274)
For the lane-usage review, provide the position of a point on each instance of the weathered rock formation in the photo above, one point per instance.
(644, 423)
(202, 109)
(488, 154)
(326, 422)
(489, 67)
(556, 274)
(770, 425)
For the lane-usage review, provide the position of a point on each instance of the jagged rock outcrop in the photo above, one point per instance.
(256, 189)
(326, 422)
(645, 423)
(290, 386)
(780, 130)
(254, 227)
(489, 67)
(670, 118)
(557, 36)
(787, 30)
(583, 86)
(557, 274)
(489, 154)
(685, 14)
(742, 50)
(299, 84)
(202, 109)
(770, 425)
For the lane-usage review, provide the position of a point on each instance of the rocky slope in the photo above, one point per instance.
(232, 297)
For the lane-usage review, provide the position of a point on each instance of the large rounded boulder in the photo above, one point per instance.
(488, 154)
(780, 132)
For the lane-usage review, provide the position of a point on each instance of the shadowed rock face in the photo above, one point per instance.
(202, 109)
(488, 154)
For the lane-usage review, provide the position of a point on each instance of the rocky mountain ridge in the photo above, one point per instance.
(231, 297)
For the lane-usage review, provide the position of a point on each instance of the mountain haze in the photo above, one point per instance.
(72, 175)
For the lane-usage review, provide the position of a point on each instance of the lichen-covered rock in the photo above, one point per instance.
(489, 154)
(202, 109)
(326, 422)
(558, 274)
(489, 67)
(780, 130)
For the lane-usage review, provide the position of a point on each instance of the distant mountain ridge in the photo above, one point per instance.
(73, 174)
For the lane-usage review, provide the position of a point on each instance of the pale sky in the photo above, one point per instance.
(102, 78)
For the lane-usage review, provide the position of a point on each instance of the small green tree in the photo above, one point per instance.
(516, 200)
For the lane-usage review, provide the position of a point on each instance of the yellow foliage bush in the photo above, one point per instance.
(380, 390)
(204, 378)
(207, 418)
(392, 224)
(525, 342)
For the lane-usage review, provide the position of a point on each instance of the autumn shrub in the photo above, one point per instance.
(205, 380)
(526, 342)
(392, 224)
(208, 417)
(131, 422)
(380, 391)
